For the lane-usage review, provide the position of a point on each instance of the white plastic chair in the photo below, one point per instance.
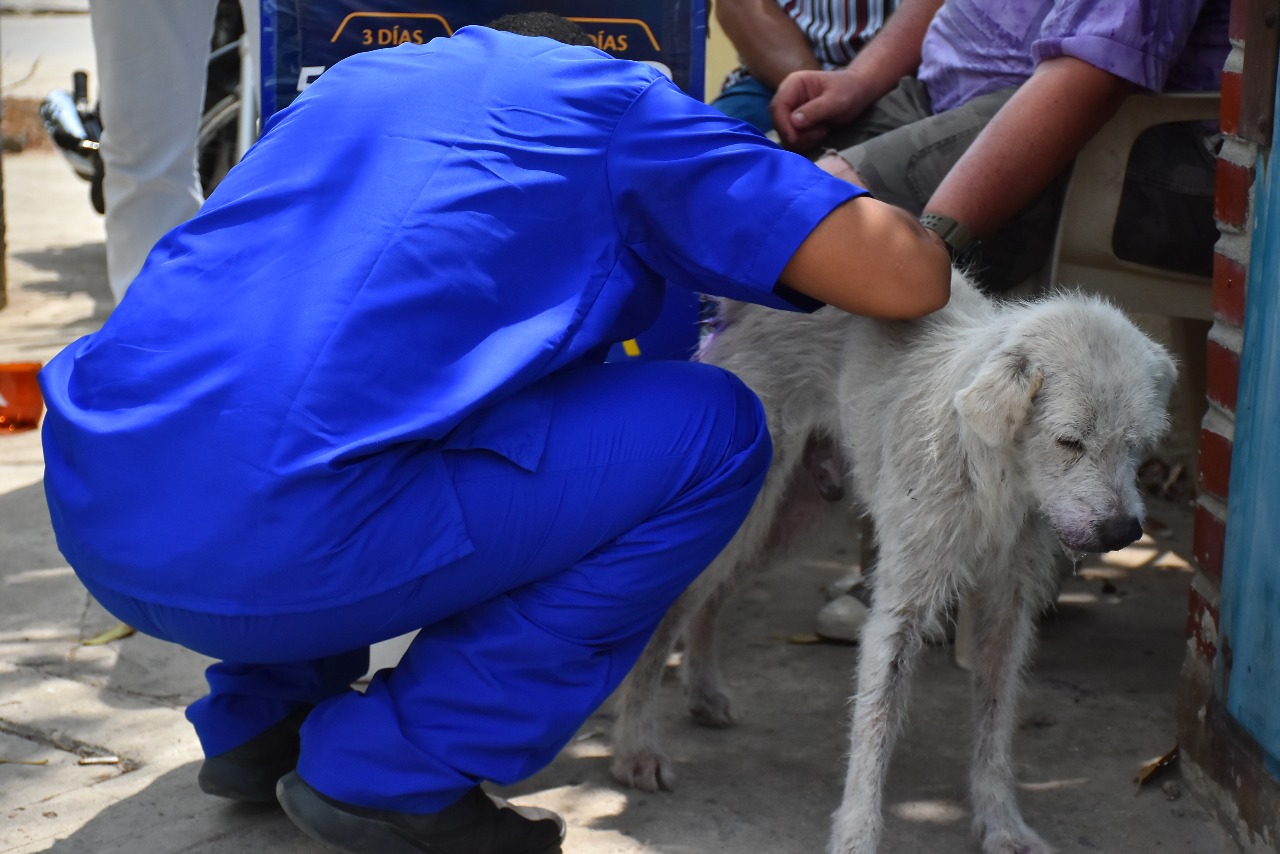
(1083, 256)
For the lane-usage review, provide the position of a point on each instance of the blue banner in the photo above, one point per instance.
(301, 38)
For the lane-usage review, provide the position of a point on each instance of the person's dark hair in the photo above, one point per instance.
(542, 24)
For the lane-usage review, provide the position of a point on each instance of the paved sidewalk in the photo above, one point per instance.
(39, 49)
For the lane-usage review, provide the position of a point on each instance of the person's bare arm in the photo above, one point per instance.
(808, 104)
(869, 257)
(1028, 143)
(769, 44)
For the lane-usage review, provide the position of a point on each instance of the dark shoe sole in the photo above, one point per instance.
(354, 834)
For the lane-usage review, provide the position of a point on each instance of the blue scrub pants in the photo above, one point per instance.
(648, 471)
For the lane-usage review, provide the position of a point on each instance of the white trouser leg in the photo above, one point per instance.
(152, 57)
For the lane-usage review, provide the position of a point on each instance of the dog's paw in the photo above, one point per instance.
(646, 770)
(711, 709)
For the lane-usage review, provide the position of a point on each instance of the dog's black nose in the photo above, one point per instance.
(1118, 532)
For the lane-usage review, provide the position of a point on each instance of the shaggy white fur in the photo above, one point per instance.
(981, 440)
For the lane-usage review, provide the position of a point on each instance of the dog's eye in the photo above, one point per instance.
(1075, 446)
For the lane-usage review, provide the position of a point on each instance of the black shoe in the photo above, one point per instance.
(249, 772)
(477, 824)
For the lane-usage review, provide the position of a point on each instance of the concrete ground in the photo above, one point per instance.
(96, 756)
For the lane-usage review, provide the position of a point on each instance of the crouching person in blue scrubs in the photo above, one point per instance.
(363, 393)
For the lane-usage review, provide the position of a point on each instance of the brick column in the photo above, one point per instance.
(1233, 207)
(1221, 761)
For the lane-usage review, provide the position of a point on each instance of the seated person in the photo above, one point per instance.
(976, 112)
(774, 38)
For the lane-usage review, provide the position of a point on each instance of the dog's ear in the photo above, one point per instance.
(998, 400)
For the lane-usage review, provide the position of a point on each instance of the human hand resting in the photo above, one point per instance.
(809, 104)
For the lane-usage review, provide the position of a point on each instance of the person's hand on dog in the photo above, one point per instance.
(872, 258)
(903, 269)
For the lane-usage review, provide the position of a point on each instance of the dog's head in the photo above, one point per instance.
(1077, 395)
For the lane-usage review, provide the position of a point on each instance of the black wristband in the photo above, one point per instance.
(959, 239)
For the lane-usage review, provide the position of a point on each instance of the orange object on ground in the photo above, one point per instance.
(21, 403)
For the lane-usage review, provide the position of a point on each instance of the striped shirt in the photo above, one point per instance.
(835, 29)
(838, 29)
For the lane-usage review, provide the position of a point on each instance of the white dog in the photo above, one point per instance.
(980, 438)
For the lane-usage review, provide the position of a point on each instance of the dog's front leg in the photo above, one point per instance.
(1004, 622)
(891, 640)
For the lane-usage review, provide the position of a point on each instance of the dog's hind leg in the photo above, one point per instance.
(769, 528)
(778, 520)
(708, 702)
(638, 759)
(891, 640)
(1004, 629)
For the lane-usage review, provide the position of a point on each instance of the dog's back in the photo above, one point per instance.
(893, 394)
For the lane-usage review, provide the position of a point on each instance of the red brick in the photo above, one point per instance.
(1203, 627)
(1231, 193)
(1223, 368)
(1208, 541)
(1229, 113)
(1215, 463)
(1228, 289)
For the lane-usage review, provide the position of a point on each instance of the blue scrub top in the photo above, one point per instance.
(424, 231)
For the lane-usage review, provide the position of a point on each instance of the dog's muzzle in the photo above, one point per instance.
(1108, 536)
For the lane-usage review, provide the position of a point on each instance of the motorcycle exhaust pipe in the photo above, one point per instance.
(63, 124)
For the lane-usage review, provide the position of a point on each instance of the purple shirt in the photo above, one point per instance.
(974, 47)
